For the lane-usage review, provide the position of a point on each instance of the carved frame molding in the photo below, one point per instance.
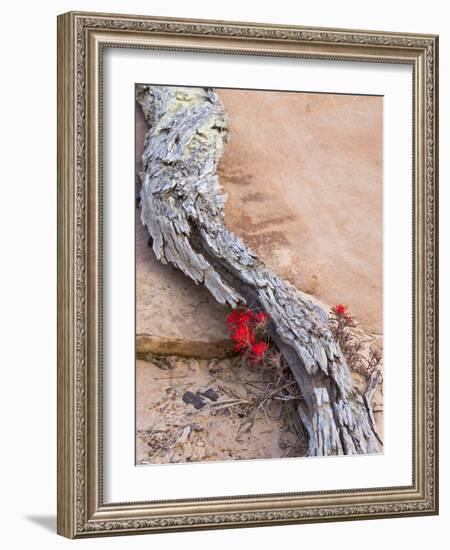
(81, 39)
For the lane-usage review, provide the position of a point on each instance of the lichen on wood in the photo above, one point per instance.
(182, 206)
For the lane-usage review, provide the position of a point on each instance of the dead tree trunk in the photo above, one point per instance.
(183, 208)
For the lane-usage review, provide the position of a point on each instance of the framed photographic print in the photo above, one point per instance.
(247, 274)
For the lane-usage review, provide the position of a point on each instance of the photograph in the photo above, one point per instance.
(258, 274)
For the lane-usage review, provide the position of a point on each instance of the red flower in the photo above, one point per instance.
(238, 318)
(340, 310)
(243, 337)
(258, 350)
(246, 317)
(261, 317)
(234, 319)
(242, 326)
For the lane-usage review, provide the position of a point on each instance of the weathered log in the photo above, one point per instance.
(183, 208)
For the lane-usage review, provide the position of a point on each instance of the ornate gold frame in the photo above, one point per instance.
(81, 37)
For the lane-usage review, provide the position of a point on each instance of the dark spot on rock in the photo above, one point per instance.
(255, 197)
(269, 239)
(246, 224)
(313, 285)
(211, 394)
(194, 399)
(275, 221)
(235, 176)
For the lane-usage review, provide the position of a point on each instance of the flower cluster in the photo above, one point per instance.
(341, 311)
(247, 330)
(359, 359)
(342, 318)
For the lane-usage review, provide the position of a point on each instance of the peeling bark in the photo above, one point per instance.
(183, 209)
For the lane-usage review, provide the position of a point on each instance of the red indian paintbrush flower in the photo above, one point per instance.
(243, 338)
(340, 310)
(261, 317)
(234, 319)
(243, 327)
(238, 318)
(258, 351)
(246, 317)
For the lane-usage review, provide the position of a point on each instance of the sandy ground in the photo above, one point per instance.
(171, 430)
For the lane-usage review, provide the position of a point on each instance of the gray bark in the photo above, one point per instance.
(183, 209)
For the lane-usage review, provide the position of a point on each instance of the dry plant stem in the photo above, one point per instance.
(183, 209)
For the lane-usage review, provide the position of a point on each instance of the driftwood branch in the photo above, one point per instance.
(183, 209)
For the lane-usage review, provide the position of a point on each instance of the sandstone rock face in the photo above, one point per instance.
(303, 173)
(304, 178)
(173, 315)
